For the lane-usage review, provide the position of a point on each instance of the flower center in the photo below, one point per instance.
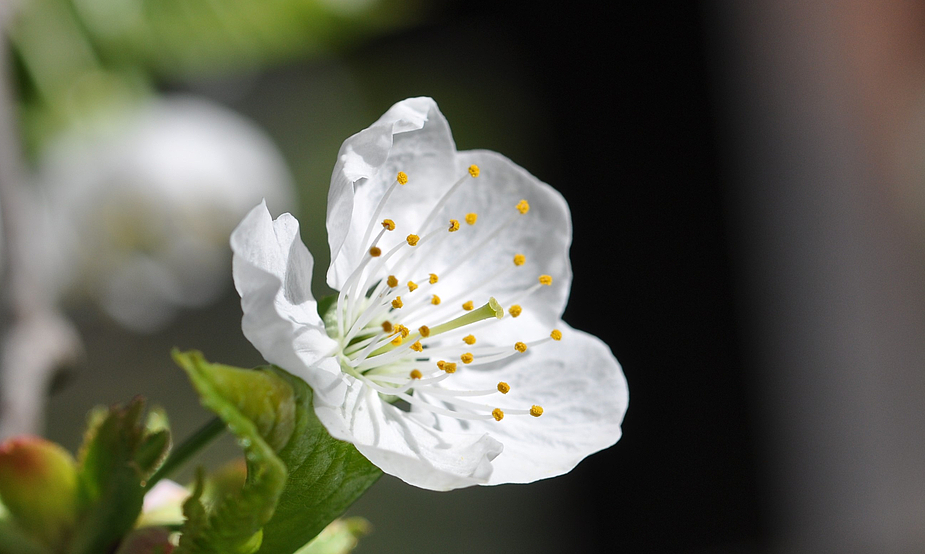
(405, 341)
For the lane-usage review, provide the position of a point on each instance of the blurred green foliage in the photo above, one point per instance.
(79, 57)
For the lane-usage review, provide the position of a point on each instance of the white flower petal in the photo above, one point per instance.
(272, 273)
(413, 136)
(581, 388)
(543, 236)
(402, 446)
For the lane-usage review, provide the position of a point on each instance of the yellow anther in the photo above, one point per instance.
(411, 286)
(545, 280)
(417, 346)
(441, 364)
(519, 259)
(454, 225)
(523, 206)
(403, 330)
(402, 178)
(467, 358)
(449, 367)
(504, 388)
(469, 339)
(397, 340)
(497, 414)
(416, 374)
(435, 300)
(424, 330)
(397, 303)
(434, 278)
(515, 310)
(471, 218)
(375, 252)
(520, 347)
(392, 281)
(536, 411)
(388, 224)
(387, 327)
(468, 305)
(556, 334)
(474, 170)
(413, 240)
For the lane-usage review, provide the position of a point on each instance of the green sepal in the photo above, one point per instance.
(327, 310)
(121, 449)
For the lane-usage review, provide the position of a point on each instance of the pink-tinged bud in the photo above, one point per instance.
(38, 485)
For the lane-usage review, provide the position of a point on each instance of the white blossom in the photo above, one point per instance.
(445, 343)
(141, 203)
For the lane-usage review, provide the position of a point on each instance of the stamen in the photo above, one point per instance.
(424, 330)
(523, 207)
(469, 339)
(397, 303)
(449, 367)
(401, 178)
(413, 240)
(536, 411)
(485, 240)
(397, 340)
(435, 300)
(440, 203)
(434, 278)
(556, 334)
(497, 414)
(545, 280)
(392, 281)
(411, 286)
(417, 346)
(515, 310)
(520, 347)
(375, 251)
(504, 388)
(416, 374)
(468, 305)
(388, 224)
(454, 225)
(387, 327)
(519, 259)
(471, 218)
(467, 358)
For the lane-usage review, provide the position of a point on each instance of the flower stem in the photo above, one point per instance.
(186, 450)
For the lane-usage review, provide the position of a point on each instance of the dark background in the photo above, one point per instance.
(615, 109)
(628, 135)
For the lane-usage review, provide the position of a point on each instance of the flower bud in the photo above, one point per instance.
(38, 485)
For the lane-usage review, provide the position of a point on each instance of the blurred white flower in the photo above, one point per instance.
(163, 504)
(140, 206)
(416, 362)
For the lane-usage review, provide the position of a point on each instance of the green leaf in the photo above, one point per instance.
(326, 476)
(258, 408)
(271, 413)
(118, 455)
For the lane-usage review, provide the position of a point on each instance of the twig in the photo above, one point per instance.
(37, 339)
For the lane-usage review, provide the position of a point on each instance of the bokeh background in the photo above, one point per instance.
(747, 183)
